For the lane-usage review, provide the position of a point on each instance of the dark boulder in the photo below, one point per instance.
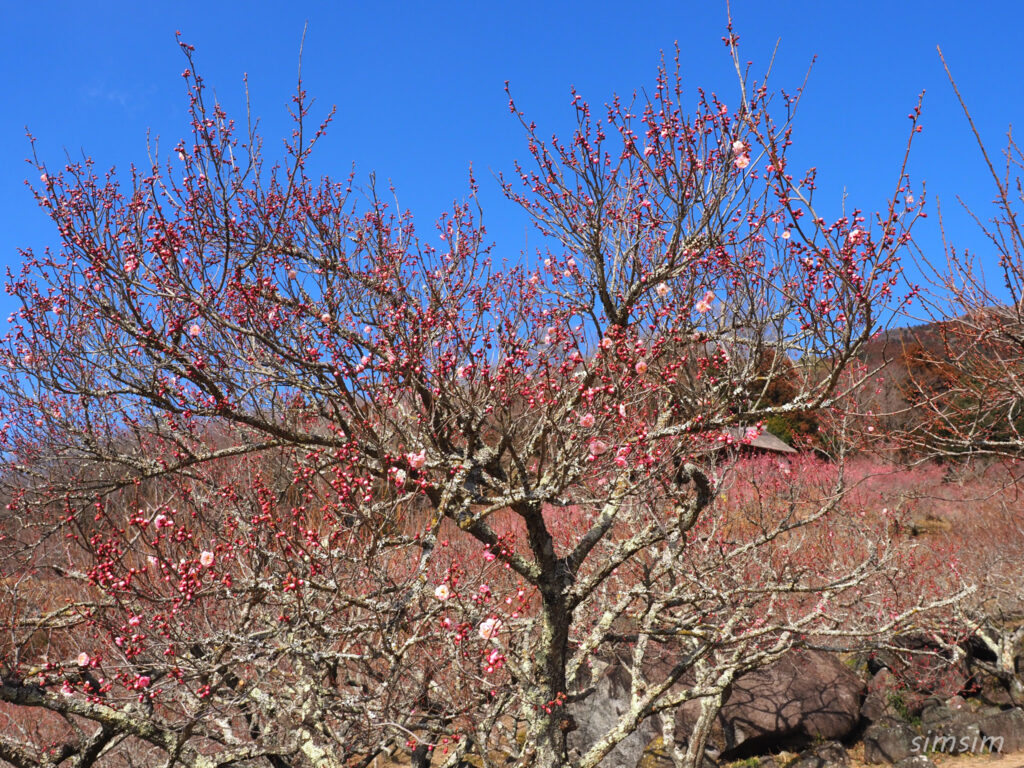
(804, 697)
(952, 737)
(950, 727)
(1007, 727)
(890, 741)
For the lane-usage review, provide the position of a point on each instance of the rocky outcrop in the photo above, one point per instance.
(804, 697)
(807, 701)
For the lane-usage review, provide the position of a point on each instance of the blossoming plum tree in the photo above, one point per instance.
(967, 390)
(292, 483)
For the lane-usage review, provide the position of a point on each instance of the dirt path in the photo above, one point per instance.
(1009, 760)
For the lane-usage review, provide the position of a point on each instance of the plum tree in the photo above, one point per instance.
(306, 487)
(966, 388)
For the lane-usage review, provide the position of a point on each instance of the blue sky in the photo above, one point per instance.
(419, 87)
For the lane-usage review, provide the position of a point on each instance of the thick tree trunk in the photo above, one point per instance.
(547, 719)
(549, 724)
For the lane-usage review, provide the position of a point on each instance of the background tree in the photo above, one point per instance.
(316, 488)
(966, 388)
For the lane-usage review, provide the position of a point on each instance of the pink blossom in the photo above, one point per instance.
(400, 477)
(854, 236)
(442, 592)
(785, 234)
(144, 681)
(620, 456)
(325, 317)
(206, 558)
(490, 628)
(704, 305)
(195, 331)
(597, 447)
(622, 411)
(417, 460)
(648, 151)
(181, 156)
(587, 420)
(661, 289)
(44, 178)
(131, 264)
(83, 659)
(489, 556)
(606, 343)
(640, 367)
(292, 274)
(162, 521)
(742, 153)
(134, 621)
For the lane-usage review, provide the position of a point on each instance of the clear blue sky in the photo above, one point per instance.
(419, 87)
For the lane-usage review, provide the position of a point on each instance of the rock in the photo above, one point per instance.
(935, 713)
(992, 690)
(952, 737)
(805, 696)
(915, 761)
(600, 711)
(1006, 726)
(884, 698)
(830, 754)
(890, 741)
(950, 727)
(656, 756)
(958, 704)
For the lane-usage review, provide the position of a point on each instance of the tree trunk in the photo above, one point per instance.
(549, 722)
(710, 706)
